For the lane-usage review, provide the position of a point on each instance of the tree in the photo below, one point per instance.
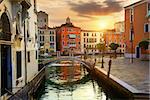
(114, 46)
(101, 47)
(144, 44)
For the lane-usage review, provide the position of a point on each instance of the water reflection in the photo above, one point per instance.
(70, 83)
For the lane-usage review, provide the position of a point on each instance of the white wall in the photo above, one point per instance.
(98, 37)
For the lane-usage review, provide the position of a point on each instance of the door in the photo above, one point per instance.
(137, 52)
(6, 69)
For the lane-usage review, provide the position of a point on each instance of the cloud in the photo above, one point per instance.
(93, 8)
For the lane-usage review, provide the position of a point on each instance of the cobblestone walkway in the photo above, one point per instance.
(135, 74)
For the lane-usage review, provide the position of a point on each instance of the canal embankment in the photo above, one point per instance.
(28, 91)
(126, 78)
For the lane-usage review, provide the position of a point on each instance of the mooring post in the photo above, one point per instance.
(109, 64)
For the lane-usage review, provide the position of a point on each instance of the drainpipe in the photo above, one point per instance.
(25, 51)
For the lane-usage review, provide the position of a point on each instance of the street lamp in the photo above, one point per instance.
(132, 33)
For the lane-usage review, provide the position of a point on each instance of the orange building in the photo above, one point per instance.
(137, 28)
(68, 38)
(111, 36)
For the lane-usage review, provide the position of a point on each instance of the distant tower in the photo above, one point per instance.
(68, 20)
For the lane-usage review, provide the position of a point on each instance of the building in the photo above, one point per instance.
(68, 38)
(89, 41)
(111, 36)
(46, 35)
(119, 27)
(42, 19)
(47, 40)
(137, 28)
(18, 44)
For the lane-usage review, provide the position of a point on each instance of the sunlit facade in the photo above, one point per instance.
(111, 36)
(18, 44)
(47, 40)
(68, 38)
(89, 41)
(137, 28)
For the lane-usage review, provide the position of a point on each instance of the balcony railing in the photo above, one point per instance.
(72, 45)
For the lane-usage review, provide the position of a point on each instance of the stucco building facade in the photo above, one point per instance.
(18, 44)
(89, 41)
(137, 28)
(111, 36)
(47, 40)
(68, 38)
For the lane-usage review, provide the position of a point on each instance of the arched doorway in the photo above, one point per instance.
(5, 54)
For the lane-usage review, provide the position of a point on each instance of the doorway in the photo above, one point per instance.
(137, 52)
(6, 69)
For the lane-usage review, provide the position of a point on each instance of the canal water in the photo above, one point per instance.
(70, 82)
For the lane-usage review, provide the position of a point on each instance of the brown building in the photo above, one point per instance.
(137, 28)
(111, 36)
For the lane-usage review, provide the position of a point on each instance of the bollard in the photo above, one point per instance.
(109, 64)
(102, 62)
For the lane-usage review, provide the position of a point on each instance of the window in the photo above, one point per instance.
(28, 56)
(131, 14)
(84, 45)
(35, 5)
(84, 34)
(131, 35)
(84, 40)
(52, 32)
(19, 64)
(95, 40)
(79, 36)
(51, 38)
(45, 20)
(43, 38)
(40, 38)
(87, 34)
(146, 27)
(79, 42)
(41, 44)
(36, 54)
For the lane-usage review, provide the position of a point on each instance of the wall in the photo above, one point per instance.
(139, 19)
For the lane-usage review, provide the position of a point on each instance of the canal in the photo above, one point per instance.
(71, 82)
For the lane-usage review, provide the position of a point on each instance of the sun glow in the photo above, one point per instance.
(103, 25)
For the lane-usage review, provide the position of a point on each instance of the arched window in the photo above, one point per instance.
(5, 33)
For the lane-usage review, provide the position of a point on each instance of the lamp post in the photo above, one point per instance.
(132, 33)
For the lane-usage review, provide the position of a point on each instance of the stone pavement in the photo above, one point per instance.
(135, 74)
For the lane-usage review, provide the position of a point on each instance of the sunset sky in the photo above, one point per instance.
(87, 14)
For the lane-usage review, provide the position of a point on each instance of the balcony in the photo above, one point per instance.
(72, 36)
(72, 45)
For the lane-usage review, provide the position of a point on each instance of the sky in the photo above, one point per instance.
(87, 14)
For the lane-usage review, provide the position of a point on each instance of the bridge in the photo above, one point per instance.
(87, 63)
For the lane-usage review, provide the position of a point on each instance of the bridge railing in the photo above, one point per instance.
(89, 64)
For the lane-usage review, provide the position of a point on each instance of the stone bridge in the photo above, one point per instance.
(87, 63)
